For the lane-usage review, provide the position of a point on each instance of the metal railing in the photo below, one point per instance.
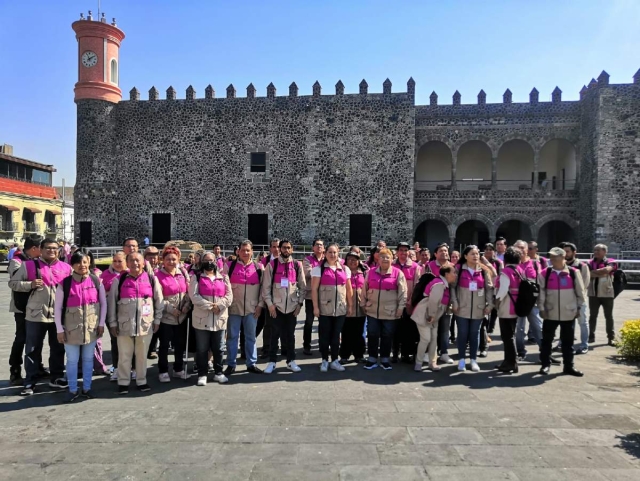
(486, 184)
(10, 227)
(21, 179)
(31, 227)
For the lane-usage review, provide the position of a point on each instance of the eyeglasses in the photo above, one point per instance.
(51, 248)
(131, 245)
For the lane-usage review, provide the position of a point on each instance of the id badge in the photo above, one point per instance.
(564, 282)
(473, 286)
(284, 282)
(146, 310)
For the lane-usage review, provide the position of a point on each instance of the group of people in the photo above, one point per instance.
(396, 305)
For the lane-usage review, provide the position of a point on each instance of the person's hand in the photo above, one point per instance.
(399, 313)
(430, 319)
(100, 331)
(216, 309)
(36, 283)
(297, 311)
(487, 311)
(350, 311)
(456, 310)
(156, 327)
(316, 312)
(113, 331)
(257, 312)
(272, 310)
(62, 338)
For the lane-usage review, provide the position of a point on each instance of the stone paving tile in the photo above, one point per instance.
(276, 472)
(588, 437)
(19, 453)
(365, 406)
(485, 406)
(242, 454)
(335, 419)
(628, 395)
(475, 473)
(223, 472)
(520, 436)
(426, 455)
(383, 473)
(302, 434)
(547, 474)
(603, 421)
(374, 435)
(608, 408)
(581, 457)
(501, 456)
(425, 406)
(620, 474)
(440, 435)
(113, 472)
(338, 454)
(402, 419)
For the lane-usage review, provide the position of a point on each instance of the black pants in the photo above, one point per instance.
(283, 327)
(265, 324)
(176, 336)
(36, 331)
(329, 329)
(308, 324)
(20, 339)
(153, 345)
(508, 335)
(406, 337)
(549, 328)
(352, 338)
(483, 335)
(114, 350)
(594, 308)
(209, 341)
(492, 321)
(452, 327)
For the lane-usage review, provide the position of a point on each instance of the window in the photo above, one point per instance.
(114, 71)
(258, 162)
(41, 177)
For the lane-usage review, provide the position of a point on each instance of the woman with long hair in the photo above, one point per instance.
(107, 277)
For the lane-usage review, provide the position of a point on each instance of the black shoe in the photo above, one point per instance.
(553, 360)
(394, 359)
(386, 366)
(370, 365)
(264, 355)
(532, 341)
(123, 389)
(507, 369)
(144, 388)
(545, 370)
(522, 358)
(361, 360)
(87, 394)
(557, 349)
(612, 343)
(592, 339)
(572, 371)
(42, 372)
(59, 383)
(28, 390)
(152, 355)
(73, 396)
(452, 339)
(345, 361)
(407, 360)
(255, 369)
(16, 379)
(307, 351)
(242, 356)
(229, 370)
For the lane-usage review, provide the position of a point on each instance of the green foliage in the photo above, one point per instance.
(629, 343)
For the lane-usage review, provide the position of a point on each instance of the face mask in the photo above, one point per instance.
(209, 265)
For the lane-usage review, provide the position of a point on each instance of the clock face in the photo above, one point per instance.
(89, 59)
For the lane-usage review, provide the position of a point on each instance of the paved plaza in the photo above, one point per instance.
(356, 425)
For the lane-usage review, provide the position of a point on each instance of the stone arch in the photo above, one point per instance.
(529, 139)
(515, 164)
(421, 142)
(433, 229)
(472, 229)
(433, 166)
(554, 228)
(513, 227)
(557, 164)
(479, 217)
(473, 165)
(491, 143)
(567, 219)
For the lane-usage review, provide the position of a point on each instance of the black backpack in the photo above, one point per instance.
(549, 270)
(528, 293)
(152, 281)
(275, 268)
(619, 281)
(418, 291)
(20, 299)
(232, 268)
(66, 288)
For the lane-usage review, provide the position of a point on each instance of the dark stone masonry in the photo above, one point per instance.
(461, 173)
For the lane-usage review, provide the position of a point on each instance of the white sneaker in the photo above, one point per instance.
(446, 359)
(474, 366)
(461, 365)
(426, 357)
(220, 378)
(336, 366)
(293, 367)
(164, 377)
(324, 367)
(178, 374)
(202, 381)
(133, 374)
(210, 366)
(114, 376)
(270, 368)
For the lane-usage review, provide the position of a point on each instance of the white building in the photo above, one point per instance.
(68, 217)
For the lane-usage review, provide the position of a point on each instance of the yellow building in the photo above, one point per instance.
(29, 205)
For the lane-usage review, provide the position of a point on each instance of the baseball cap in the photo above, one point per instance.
(557, 251)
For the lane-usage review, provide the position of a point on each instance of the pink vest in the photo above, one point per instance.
(211, 287)
(136, 288)
(409, 271)
(172, 285)
(51, 275)
(557, 282)
(82, 293)
(108, 277)
(434, 268)
(528, 269)
(594, 265)
(220, 263)
(514, 285)
(291, 269)
(313, 261)
(244, 274)
(357, 280)
(333, 278)
(383, 282)
(446, 297)
(465, 277)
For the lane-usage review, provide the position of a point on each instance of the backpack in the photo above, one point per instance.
(619, 281)
(528, 292)
(275, 268)
(66, 288)
(232, 268)
(418, 291)
(152, 281)
(20, 299)
(549, 270)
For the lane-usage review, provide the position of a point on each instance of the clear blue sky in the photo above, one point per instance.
(445, 45)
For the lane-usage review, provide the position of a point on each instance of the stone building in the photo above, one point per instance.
(219, 169)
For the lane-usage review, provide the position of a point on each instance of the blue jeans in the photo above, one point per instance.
(535, 322)
(73, 356)
(380, 333)
(249, 322)
(444, 323)
(583, 322)
(468, 331)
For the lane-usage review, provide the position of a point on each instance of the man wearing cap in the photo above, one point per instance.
(583, 321)
(406, 337)
(562, 297)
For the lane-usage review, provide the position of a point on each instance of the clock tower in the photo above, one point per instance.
(98, 63)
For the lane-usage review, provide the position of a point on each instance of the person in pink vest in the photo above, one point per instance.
(498, 265)
(424, 258)
(41, 277)
(108, 276)
(174, 281)
(308, 264)
(535, 257)
(220, 260)
(445, 322)
(80, 313)
(210, 292)
(265, 322)
(374, 255)
(352, 341)
(135, 309)
(331, 294)
(601, 293)
(384, 296)
(405, 340)
(426, 314)
(472, 299)
(98, 363)
(508, 285)
(562, 297)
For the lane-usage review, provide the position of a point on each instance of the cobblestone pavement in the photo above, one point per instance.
(336, 426)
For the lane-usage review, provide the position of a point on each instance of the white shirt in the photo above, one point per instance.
(500, 256)
(315, 272)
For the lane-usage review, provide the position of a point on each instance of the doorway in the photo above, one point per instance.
(161, 233)
(258, 229)
(85, 234)
(360, 230)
